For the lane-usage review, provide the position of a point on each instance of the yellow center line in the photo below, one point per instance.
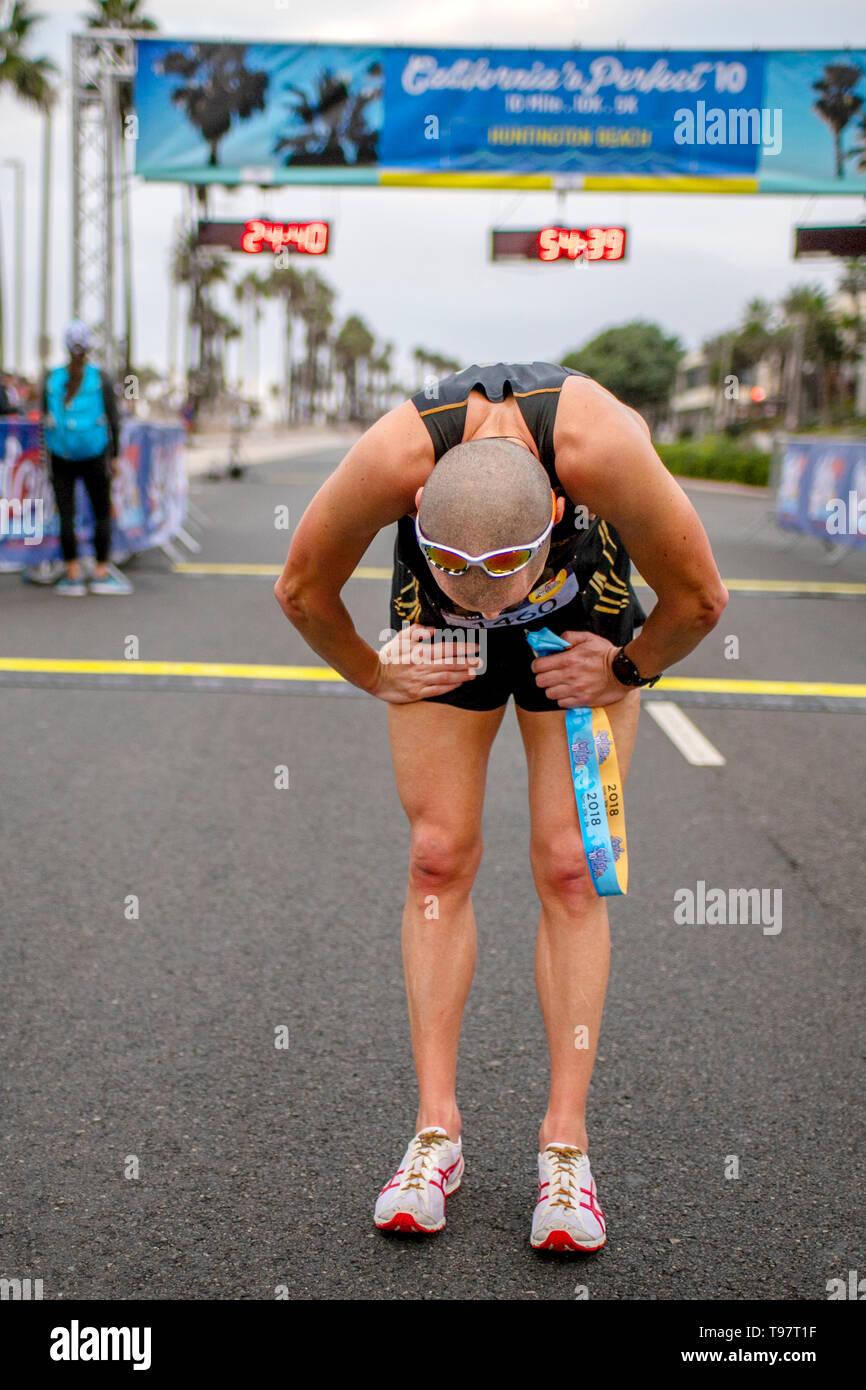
(236, 670)
(747, 687)
(291, 477)
(250, 671)
(781, 586)
(768, 586)
(194, 567)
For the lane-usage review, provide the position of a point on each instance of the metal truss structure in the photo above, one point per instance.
(101, 60)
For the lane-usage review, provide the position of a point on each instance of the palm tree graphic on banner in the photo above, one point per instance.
(218, 88)
(837, 104)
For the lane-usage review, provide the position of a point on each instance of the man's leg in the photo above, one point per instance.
(573, 947)
(440, 757)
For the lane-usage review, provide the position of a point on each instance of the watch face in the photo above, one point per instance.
(620, 666)
(625, 670)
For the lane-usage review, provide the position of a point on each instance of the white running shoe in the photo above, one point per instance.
(414, 1199)
(567, 1216)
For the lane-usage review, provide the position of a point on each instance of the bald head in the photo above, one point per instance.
(485, 493)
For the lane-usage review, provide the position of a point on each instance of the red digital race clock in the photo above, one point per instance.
(596, 243)
(308, 238)
(558, 243)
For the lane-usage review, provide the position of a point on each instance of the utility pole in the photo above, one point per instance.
(794, 374)
(44, 253)
(2, 325)
(722, 410)
(18, 166)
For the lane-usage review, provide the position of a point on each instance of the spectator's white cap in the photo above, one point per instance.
(78, 335)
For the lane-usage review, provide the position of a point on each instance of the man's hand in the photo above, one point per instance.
(411, 667)
(582, 676)
(114, 466)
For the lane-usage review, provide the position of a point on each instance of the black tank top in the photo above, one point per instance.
(583, 553)
(534, 385)
(442, 406)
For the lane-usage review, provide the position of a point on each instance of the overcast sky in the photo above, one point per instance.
(414, 263)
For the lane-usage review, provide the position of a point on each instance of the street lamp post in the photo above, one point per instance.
(43, 344)
(2, 323)
(18, 166)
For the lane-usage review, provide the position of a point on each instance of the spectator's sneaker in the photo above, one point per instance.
(414, 1199)
(112, 583)
(567, 1216)
(70, 588)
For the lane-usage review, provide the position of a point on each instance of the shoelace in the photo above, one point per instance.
(563, 1162)
(421, 1161)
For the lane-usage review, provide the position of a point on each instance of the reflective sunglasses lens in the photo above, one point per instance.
(507, 561)
(446, 559)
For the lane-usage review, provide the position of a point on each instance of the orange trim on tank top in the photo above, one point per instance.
(456, 405)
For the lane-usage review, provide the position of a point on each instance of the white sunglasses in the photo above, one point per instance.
(497, 563)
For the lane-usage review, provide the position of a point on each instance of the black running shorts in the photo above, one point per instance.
(508, 670)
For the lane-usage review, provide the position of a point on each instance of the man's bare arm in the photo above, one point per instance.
(374, 486)
(606, 461)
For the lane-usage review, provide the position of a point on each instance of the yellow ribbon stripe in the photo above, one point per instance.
(614, 803)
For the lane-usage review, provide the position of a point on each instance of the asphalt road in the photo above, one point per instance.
(148, 1043)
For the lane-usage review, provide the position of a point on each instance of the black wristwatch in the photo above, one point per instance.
(627, 673)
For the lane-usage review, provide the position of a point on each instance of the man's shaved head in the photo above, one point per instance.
(481, 495)
(485, 493)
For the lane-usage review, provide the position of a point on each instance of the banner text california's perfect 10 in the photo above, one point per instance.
(711, 121)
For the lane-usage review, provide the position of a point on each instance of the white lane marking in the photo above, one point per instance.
(683, 734)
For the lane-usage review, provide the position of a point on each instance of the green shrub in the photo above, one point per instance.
(721, 459)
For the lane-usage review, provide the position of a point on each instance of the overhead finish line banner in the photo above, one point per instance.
(672, 121)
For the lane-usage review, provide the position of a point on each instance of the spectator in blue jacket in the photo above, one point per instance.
(82, 435)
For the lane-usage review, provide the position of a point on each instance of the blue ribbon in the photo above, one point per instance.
(601, 853)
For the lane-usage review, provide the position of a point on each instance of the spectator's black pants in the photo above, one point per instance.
(96, 477)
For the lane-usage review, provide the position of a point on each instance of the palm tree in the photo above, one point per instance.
(438, 364)
(853, 283)
(837, 102)
(318, 316)
(287, 284)
(814, 344)
(199, 273)
(737, 350)
(30, 79)
(443, 366)
(249, 292)
(423, 359)
(353, 344)
(382, 367)
(216, 330)
(119, 14)
(125, 15)
(852, 324)
(756, 332)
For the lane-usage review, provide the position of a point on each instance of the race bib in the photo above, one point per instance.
(544, 599)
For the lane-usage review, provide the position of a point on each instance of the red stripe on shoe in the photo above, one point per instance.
(561, 1240)
(403, 1221)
